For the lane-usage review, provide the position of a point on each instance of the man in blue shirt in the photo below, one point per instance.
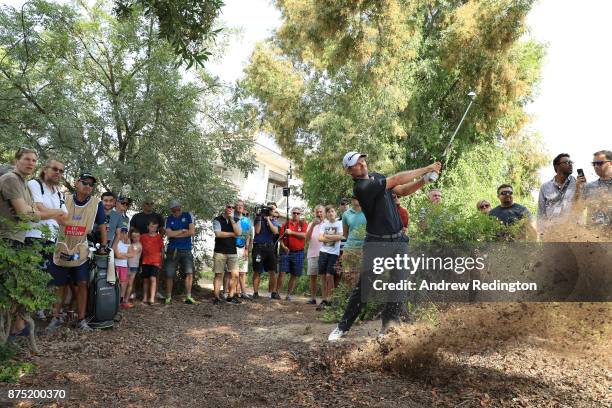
(179, 229)
(264, 255)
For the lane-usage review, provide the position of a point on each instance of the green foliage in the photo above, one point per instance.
(475, 176)
(390, 78)
(23, 284)
(104, 94)
(10, 369)
(188, 25)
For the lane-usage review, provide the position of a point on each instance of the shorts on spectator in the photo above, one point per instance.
(176, 256)
(150, 271)
(220, 261)
(243, 262)
(292, 263)
(133, 270)
(62, 275)
(313, 266)
(263, 258)
(122, 272)
(327, 263)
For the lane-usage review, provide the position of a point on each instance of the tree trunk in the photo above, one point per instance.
(32, 335)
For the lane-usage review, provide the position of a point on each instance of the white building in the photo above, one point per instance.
(266, 183)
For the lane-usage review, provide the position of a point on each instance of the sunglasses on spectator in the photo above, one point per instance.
(124, 202)
(57, 170)
(505, 193)
(230, 206)
(600, 163)
(567, 162)
(88, 183)
(296, 213)
(484, 206)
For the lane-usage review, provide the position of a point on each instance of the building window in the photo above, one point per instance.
(274, 191)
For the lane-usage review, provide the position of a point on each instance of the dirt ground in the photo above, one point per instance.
(274, 353)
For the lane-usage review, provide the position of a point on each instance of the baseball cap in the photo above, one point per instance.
(174, 204)
(350, 159)
(122, 197)
(85, 175)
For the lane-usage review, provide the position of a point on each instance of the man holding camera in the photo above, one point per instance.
(264, 255)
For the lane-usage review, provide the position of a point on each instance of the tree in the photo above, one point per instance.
(188, 25)
(104, 94)
(390, 78)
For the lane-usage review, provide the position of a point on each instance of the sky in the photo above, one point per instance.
(571, 110)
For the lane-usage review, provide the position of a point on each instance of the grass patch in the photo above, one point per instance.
(10, 369)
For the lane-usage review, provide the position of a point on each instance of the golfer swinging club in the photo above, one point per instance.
(383, 229)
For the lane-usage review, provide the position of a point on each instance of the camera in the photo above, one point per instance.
(263, 211)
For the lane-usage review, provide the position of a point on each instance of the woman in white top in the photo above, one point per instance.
(330, 234)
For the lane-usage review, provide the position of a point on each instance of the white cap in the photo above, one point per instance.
(351, 158)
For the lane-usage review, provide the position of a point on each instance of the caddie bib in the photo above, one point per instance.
(71, 249)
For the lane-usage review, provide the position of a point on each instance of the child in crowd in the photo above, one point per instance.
(133, 259)
(152, 256)
(330, 235)
(121, 248)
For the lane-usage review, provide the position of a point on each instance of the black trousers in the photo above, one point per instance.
(391, 310)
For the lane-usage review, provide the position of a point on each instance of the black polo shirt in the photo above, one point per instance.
(141, 220)
(510, 215)
(377, 205)
(225, 245)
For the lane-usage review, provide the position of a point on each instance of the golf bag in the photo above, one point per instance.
(103, 297)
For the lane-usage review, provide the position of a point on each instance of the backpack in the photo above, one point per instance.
(5, 168)
(62, 198)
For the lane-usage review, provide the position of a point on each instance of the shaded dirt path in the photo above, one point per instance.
(273, 353)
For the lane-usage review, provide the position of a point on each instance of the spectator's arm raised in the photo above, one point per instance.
(273, 228)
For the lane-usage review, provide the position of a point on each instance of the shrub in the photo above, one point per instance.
(23, 285)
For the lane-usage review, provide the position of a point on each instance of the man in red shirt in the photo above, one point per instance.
(402, 212)
(292, 250)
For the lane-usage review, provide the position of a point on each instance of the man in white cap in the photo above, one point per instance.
(384, 228)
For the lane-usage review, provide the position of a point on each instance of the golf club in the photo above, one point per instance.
(433, 176)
